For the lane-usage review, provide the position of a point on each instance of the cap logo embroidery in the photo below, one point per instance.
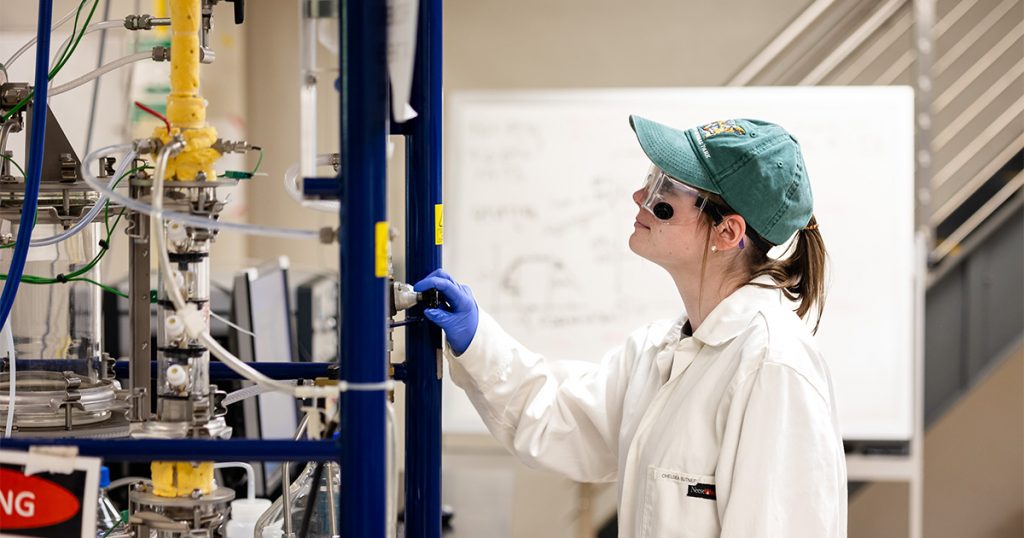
(700, 142)
(719, 127)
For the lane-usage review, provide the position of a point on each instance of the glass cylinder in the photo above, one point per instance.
(183, 364)
(56, 325)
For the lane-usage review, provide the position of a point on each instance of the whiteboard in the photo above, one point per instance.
(538, 214)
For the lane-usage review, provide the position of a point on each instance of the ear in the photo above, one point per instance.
(727, 235)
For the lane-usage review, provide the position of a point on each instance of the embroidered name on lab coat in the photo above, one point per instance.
(678, 478)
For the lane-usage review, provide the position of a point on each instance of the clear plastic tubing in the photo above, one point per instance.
(93, 75)
(12, 379)
(105, 25)
(291, 185)
(307, 93)
(91, 215)
(177, 298)
(32, 41)
(250, 481)
(192, 220)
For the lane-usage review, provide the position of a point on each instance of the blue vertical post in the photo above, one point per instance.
(364, 241)
(424, 233)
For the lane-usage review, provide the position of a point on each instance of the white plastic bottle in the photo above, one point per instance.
(244, 513)
(107, 515)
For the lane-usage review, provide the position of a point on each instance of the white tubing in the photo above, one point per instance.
(291, 185)
(114, 484)
(95, 74)
(91, 215)
(243, 394)
(183, 309)
(250, 475)
(17, 54)
(391, 505)
(199, 222)
(8, 336)
(225, 321)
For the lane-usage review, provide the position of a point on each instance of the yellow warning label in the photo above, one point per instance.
(439, 224)
(381, 250)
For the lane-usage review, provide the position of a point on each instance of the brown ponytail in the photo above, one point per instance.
(801, 275)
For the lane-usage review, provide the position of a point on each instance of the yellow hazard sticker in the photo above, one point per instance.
(439, 224)
(383, 245)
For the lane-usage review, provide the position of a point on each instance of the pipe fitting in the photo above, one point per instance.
(144, 22)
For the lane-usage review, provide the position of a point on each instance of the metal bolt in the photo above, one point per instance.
(328, 235)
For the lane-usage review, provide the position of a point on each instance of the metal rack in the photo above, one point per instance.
(364, 243)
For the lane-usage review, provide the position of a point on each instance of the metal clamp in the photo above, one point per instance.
(217, 401)
(72, 397)
(137, 405)
(107, 366)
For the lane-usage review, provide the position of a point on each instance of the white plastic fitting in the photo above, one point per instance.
(195, 323)
(179, 279)
(173, 328)
(177, 376)
(177, 233)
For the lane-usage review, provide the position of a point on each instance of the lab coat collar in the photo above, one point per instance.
(734, 313)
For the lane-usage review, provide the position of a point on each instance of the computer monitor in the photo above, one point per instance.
(261, 306)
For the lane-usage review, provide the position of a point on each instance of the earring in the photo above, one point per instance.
(714, 248)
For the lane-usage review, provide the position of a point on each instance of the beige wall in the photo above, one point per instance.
(973, 469)
(502, 45)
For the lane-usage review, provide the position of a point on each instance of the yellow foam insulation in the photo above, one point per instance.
(186, 15)
(185, 74)
(186, 109)
(181, 478)
(187, 112)
(197, 156)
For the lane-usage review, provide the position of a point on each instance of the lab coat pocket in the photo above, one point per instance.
(679, 504)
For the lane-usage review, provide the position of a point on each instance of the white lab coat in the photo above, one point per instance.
(732, 432)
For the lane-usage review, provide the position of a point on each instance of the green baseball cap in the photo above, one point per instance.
(755, 166)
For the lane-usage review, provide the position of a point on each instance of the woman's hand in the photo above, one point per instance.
(460, 323)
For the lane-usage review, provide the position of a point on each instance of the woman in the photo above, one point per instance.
(723, 422)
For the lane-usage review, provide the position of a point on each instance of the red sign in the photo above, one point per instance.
(28, 502)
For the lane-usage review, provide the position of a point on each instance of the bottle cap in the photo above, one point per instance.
(104, 476)
(248, 509)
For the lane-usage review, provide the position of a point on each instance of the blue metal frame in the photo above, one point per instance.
(364, 318)
(423, 255)
(37, 143)
(363, 331)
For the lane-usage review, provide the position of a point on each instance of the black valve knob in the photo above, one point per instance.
(239, 10)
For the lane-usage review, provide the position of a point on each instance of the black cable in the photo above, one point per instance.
(307, 515)
(96, 86)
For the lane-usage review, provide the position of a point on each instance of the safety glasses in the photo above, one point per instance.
(665, 197)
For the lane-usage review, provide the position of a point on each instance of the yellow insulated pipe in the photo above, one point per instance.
(186, 109)
(181, 478)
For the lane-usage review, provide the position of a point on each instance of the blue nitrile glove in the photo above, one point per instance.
(460, 323)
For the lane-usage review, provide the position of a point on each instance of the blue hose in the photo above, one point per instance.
(35, 162)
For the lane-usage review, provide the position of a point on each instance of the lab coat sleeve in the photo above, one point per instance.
(782, 470)
(561, 416)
